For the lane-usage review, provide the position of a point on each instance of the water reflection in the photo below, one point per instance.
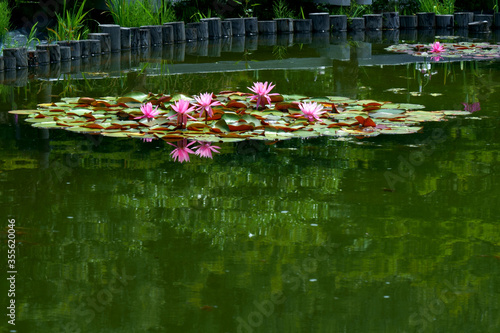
(302, 225)
(182, 151)
(187, 57)
(472, 107)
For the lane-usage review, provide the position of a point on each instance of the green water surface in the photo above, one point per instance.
(387, 234)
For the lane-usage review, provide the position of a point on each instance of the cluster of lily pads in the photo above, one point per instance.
(437, 50)
(229, 116)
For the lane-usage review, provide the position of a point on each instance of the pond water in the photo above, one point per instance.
(385, 234)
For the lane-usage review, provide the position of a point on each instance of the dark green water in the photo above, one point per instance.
(387, 234)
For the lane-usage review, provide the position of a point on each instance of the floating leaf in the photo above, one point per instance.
(86, 100)
(221, 126)
(456, 113)
(178, 97)
(365, 122)
(358, 118)
(23, 112)
(236, 104)
(404, 106)
(136, 97)
(451, 50)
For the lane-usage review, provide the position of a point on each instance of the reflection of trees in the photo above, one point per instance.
(184, 229)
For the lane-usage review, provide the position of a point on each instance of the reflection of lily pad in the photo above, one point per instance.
(113, 117)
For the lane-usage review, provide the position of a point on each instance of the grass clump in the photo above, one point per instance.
(440, 7)
(71, 24)
(5, 13)
(281, 10)
(136, 13)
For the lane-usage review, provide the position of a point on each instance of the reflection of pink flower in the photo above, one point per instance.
(437, 47)
(205, 149)
(472, 107)
(204, 103)
(311, 110)
(182, 108)
(147, 139)
(263, 91)
(437, 58)
(148, 112)
(181, 151)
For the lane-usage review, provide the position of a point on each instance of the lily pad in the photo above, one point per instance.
(482, 51)
(116, 117)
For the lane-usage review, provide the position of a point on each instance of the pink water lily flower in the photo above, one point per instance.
(148, 112)
(205, 103)
(181, 151)
(312, 110)
(182, 108)
(205, 149)
(437, 47)
(262, 90)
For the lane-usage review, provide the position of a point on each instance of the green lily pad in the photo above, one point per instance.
(401, 130)
(456, 113)
(404, 106)
(83, 116)
(23, 112)
(135, 97)
(222, 126)
(46, 124)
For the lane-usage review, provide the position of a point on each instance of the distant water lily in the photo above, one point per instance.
(147, 139)
(181, 151)
(205, 149)
(311, 110)
(182, 108)
(472, 107)
(437, 47)
(148, 112)
(262, 91)
(204, 103)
